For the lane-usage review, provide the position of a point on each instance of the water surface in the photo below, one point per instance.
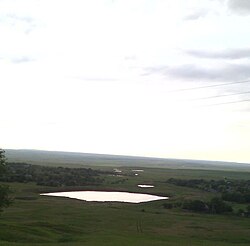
(145, 186)
(107, 196)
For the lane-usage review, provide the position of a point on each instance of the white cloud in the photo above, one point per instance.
(71, 73)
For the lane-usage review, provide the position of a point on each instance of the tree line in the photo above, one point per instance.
(215, 206)
(50, 176)
(231, 190)
(237, 191)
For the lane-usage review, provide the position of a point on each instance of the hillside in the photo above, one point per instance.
(74, 159)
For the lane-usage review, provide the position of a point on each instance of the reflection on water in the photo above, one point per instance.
(107, 196)
(146, 186)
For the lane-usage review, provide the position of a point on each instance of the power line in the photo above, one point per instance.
(227, 95)
(217, 104)
(210, 86)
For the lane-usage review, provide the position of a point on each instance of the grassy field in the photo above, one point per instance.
(41, 220)
(73, 159)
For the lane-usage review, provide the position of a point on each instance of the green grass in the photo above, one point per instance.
(76, 160)
(40, 220)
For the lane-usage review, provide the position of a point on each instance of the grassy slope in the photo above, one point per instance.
(70, 222)
(55, 158)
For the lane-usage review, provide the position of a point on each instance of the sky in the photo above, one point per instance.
(157, 78)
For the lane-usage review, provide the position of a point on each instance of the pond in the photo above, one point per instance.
(146, 186)
(107, 196)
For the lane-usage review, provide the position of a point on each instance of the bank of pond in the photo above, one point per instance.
(231, 196)
(107, 196)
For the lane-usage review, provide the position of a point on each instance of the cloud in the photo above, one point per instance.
(223, 54)
(240, 6)
(131, 58)
(191, 72)
(196, 15)
(12, 19)
(16, 59)
(22, 59)
(97, 79)
(27, 23)
(20, 18)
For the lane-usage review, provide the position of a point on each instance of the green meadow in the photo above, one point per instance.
(41, 220)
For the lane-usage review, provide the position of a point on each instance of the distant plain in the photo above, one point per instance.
(39, 220)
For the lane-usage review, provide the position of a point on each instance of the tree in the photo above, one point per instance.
(248, 209)
(195, 205)
(218, 206)
(5, 199)
(2, 161)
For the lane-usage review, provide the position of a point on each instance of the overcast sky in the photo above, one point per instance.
(133, 77)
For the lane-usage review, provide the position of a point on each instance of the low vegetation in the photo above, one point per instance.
(5, 191)
(230, 190)
(196, 213)
(237, 191)
(215, 206)
(5, 199)
(50, 176)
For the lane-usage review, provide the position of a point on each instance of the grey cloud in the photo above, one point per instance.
(196, 15)
(28, 23)
(21, 59)
(12, 19)
(240, 6)
(92, 78)
(223, 54)
(21, 18)
(245, 108)
(187, 72)
(132, 57)
(16, 59)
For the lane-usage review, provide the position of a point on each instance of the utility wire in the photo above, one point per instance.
(227, 95)
(217, 104)
(210, 86)
(218, 96)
